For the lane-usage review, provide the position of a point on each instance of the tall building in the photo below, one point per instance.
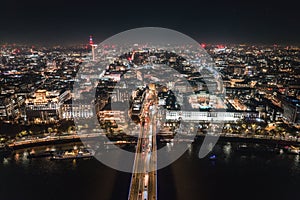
(94, 46)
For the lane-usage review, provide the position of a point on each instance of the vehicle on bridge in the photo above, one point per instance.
(145, 195)
(146, 180)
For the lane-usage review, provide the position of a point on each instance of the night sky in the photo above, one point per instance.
(212, 21)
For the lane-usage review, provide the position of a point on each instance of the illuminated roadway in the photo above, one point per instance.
(143, 184)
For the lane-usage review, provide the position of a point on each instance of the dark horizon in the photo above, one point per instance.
(71, 22)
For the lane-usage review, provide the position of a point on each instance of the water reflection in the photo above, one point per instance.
(6, 161)
(74, 162)
(227, 149)
(17, 157)
(25, 160)
(189, 149)
(296, 161)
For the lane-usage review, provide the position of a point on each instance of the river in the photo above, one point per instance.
(232, 175)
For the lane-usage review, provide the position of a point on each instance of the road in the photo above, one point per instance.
(35, 140)
(144, 178)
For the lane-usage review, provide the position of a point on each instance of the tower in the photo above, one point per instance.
(94, 46)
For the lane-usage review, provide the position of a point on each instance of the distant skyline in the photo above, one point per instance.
(71, 22)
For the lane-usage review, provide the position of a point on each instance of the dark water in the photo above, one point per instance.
(231, 176)
(42, 179)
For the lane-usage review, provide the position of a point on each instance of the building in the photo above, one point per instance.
(44, 106)
(209, 116)
(291, 110)
(10, 106)
(69, 111)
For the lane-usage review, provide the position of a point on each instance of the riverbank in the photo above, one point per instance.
(253, 139)
(76, 138)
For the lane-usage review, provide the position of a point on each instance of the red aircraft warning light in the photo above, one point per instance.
(91, 40)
